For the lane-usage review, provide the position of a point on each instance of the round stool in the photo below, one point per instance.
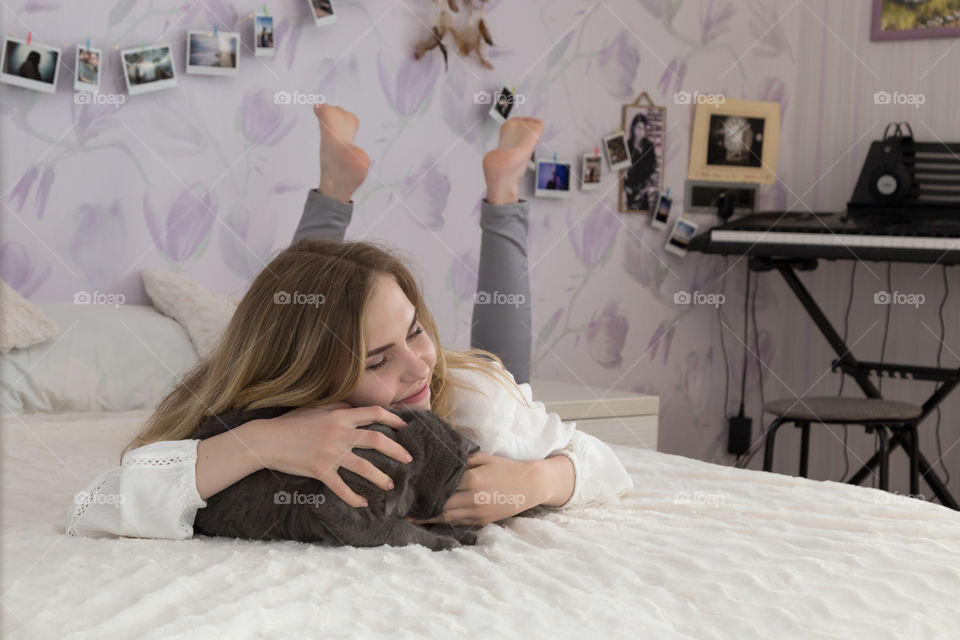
(873, 413)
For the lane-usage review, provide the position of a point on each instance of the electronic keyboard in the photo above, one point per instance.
(836, 236)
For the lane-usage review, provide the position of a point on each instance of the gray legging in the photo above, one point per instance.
(501, 313)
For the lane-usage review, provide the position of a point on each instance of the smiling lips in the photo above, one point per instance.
(419, 394)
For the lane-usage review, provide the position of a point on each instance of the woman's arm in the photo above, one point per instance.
(557, 479)
(228, 457)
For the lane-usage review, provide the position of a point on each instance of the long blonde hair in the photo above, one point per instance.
(296, 340)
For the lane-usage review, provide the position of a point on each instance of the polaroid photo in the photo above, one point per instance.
(263, 36)
(661, 213)
(553, 179)
(87, 65)
(213, 53)
(617, 155)
(590, 172)
(680, 237)
(504, 102)
(147, 69)
(322, 11)
(32, 66)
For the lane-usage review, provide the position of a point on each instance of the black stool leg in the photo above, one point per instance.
(768, 445)
(804, 446)
(914, 460)
(884, 458)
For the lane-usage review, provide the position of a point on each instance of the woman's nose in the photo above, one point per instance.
(417, 369)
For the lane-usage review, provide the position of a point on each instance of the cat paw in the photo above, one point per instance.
(442, 543)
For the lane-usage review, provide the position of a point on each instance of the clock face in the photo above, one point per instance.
(887, 184)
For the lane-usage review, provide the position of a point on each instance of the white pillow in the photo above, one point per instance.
(105, 358)
(203, 313)
(22, 324)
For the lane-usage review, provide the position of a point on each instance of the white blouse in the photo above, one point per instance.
(153, 493)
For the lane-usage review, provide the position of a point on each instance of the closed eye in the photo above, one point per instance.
(374, 367)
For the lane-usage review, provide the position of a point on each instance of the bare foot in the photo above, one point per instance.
(504, 166)
(343, 165)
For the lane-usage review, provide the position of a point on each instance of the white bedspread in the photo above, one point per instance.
(695, 551)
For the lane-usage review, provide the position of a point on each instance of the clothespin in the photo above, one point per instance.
(29, 37)
(668, 192)
(619, 130)
(214, 31)
(513, 89)
(554, 157)
(88, 44)
(143, 47)
(265, 9)
(596, 151)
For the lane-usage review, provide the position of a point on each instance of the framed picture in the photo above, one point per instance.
(322, 11)
(553, 179)
(898, 20)
(615, 146)
(87, 66)
(263, 36)
(662, 213)
(213, 53)
(680, 237)
(590, 172)
(735, 142)
(147, 69)
(32, 66)
(503, 104)
(645, 128)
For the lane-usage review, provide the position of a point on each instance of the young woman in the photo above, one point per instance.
(368, 344)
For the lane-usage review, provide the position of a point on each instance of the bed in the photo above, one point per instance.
(695, 550)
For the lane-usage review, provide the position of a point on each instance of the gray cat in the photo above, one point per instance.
(270, 505)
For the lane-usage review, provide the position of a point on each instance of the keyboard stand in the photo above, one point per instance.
(861, 371)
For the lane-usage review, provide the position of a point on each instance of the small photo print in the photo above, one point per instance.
(680, 237)
(147, 69)
(735, 141)
(263, 36)
(213, 54)
(553, 179)
(662, 213)
(32, 66)
(590, 172)
(503, 104)
(322, 11)
(88, 69)
(617, 155)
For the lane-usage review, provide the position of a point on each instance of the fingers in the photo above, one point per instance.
(345, 493)
(362, 416)
(478, 459)
(366, 469)
(383, 444)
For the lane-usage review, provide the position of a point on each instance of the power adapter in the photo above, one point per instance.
(739, 438)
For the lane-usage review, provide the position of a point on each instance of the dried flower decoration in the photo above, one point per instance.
(469, 38)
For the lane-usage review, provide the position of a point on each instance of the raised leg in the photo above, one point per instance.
(343, 167)
(502, 320)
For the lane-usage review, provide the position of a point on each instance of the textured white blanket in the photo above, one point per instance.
(696, 550)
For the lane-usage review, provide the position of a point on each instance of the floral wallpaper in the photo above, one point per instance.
(209, 178)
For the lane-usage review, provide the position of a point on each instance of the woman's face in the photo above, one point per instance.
(400, 356)
(639, 129)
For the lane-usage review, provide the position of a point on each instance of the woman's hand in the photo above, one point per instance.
(493, 488)
(315, 442)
